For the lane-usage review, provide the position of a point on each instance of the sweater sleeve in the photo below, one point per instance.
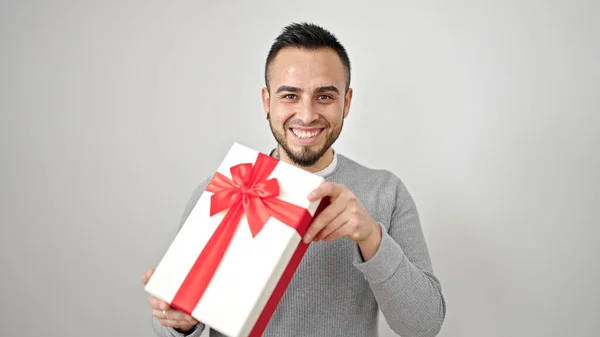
(163, 331)
(401, 276)
(159, 329)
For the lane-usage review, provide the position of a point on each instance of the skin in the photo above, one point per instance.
(307, 92)
(175, 318)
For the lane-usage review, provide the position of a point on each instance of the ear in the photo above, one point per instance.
(266, 100)
(347, 101)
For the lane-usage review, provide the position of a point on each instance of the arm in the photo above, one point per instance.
(159, 329)
(400, 273)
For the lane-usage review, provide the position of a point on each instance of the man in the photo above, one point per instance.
(368, 252)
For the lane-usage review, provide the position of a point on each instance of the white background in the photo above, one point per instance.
(111, 112)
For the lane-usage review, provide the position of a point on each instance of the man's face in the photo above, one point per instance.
(307, 102)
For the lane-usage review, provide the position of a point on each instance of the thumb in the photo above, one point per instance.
(147, 275)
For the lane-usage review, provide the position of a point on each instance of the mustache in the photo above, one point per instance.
(319, 123)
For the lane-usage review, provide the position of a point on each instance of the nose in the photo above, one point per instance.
(307, 112)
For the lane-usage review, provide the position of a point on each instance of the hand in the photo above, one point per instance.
(345, 216)
(174, 318)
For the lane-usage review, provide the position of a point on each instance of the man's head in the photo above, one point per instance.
(307, 93)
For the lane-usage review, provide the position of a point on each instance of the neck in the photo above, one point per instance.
(321, 164)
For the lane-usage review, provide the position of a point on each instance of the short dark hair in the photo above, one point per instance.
(307, 36)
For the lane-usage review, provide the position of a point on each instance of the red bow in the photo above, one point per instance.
(248, 188)
(248, 192)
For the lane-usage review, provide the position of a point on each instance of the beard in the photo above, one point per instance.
(307, 156)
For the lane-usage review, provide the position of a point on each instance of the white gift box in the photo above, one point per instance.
(254, 271)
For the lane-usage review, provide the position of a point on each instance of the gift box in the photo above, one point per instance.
(234, 256)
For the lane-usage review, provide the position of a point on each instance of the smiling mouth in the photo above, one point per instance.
(306, 134)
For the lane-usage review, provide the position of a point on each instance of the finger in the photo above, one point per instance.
(338, 233)
(146, 276)
(323, 219)
(325, 189)
(334, 225)
(176, 325)
(191, 320)
(174, 315)
(180, 316)
(351, 229)
(169, 323)
(157, 304)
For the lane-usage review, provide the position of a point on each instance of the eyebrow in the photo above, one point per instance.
(328, 88)
(288, 88)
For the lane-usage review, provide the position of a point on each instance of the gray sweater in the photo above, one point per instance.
(335, 293)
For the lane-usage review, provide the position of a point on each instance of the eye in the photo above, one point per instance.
(325, 97)
(289, 96)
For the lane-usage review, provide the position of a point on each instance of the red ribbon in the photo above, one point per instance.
(248, 192)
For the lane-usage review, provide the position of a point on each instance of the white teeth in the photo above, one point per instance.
(304, 134)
